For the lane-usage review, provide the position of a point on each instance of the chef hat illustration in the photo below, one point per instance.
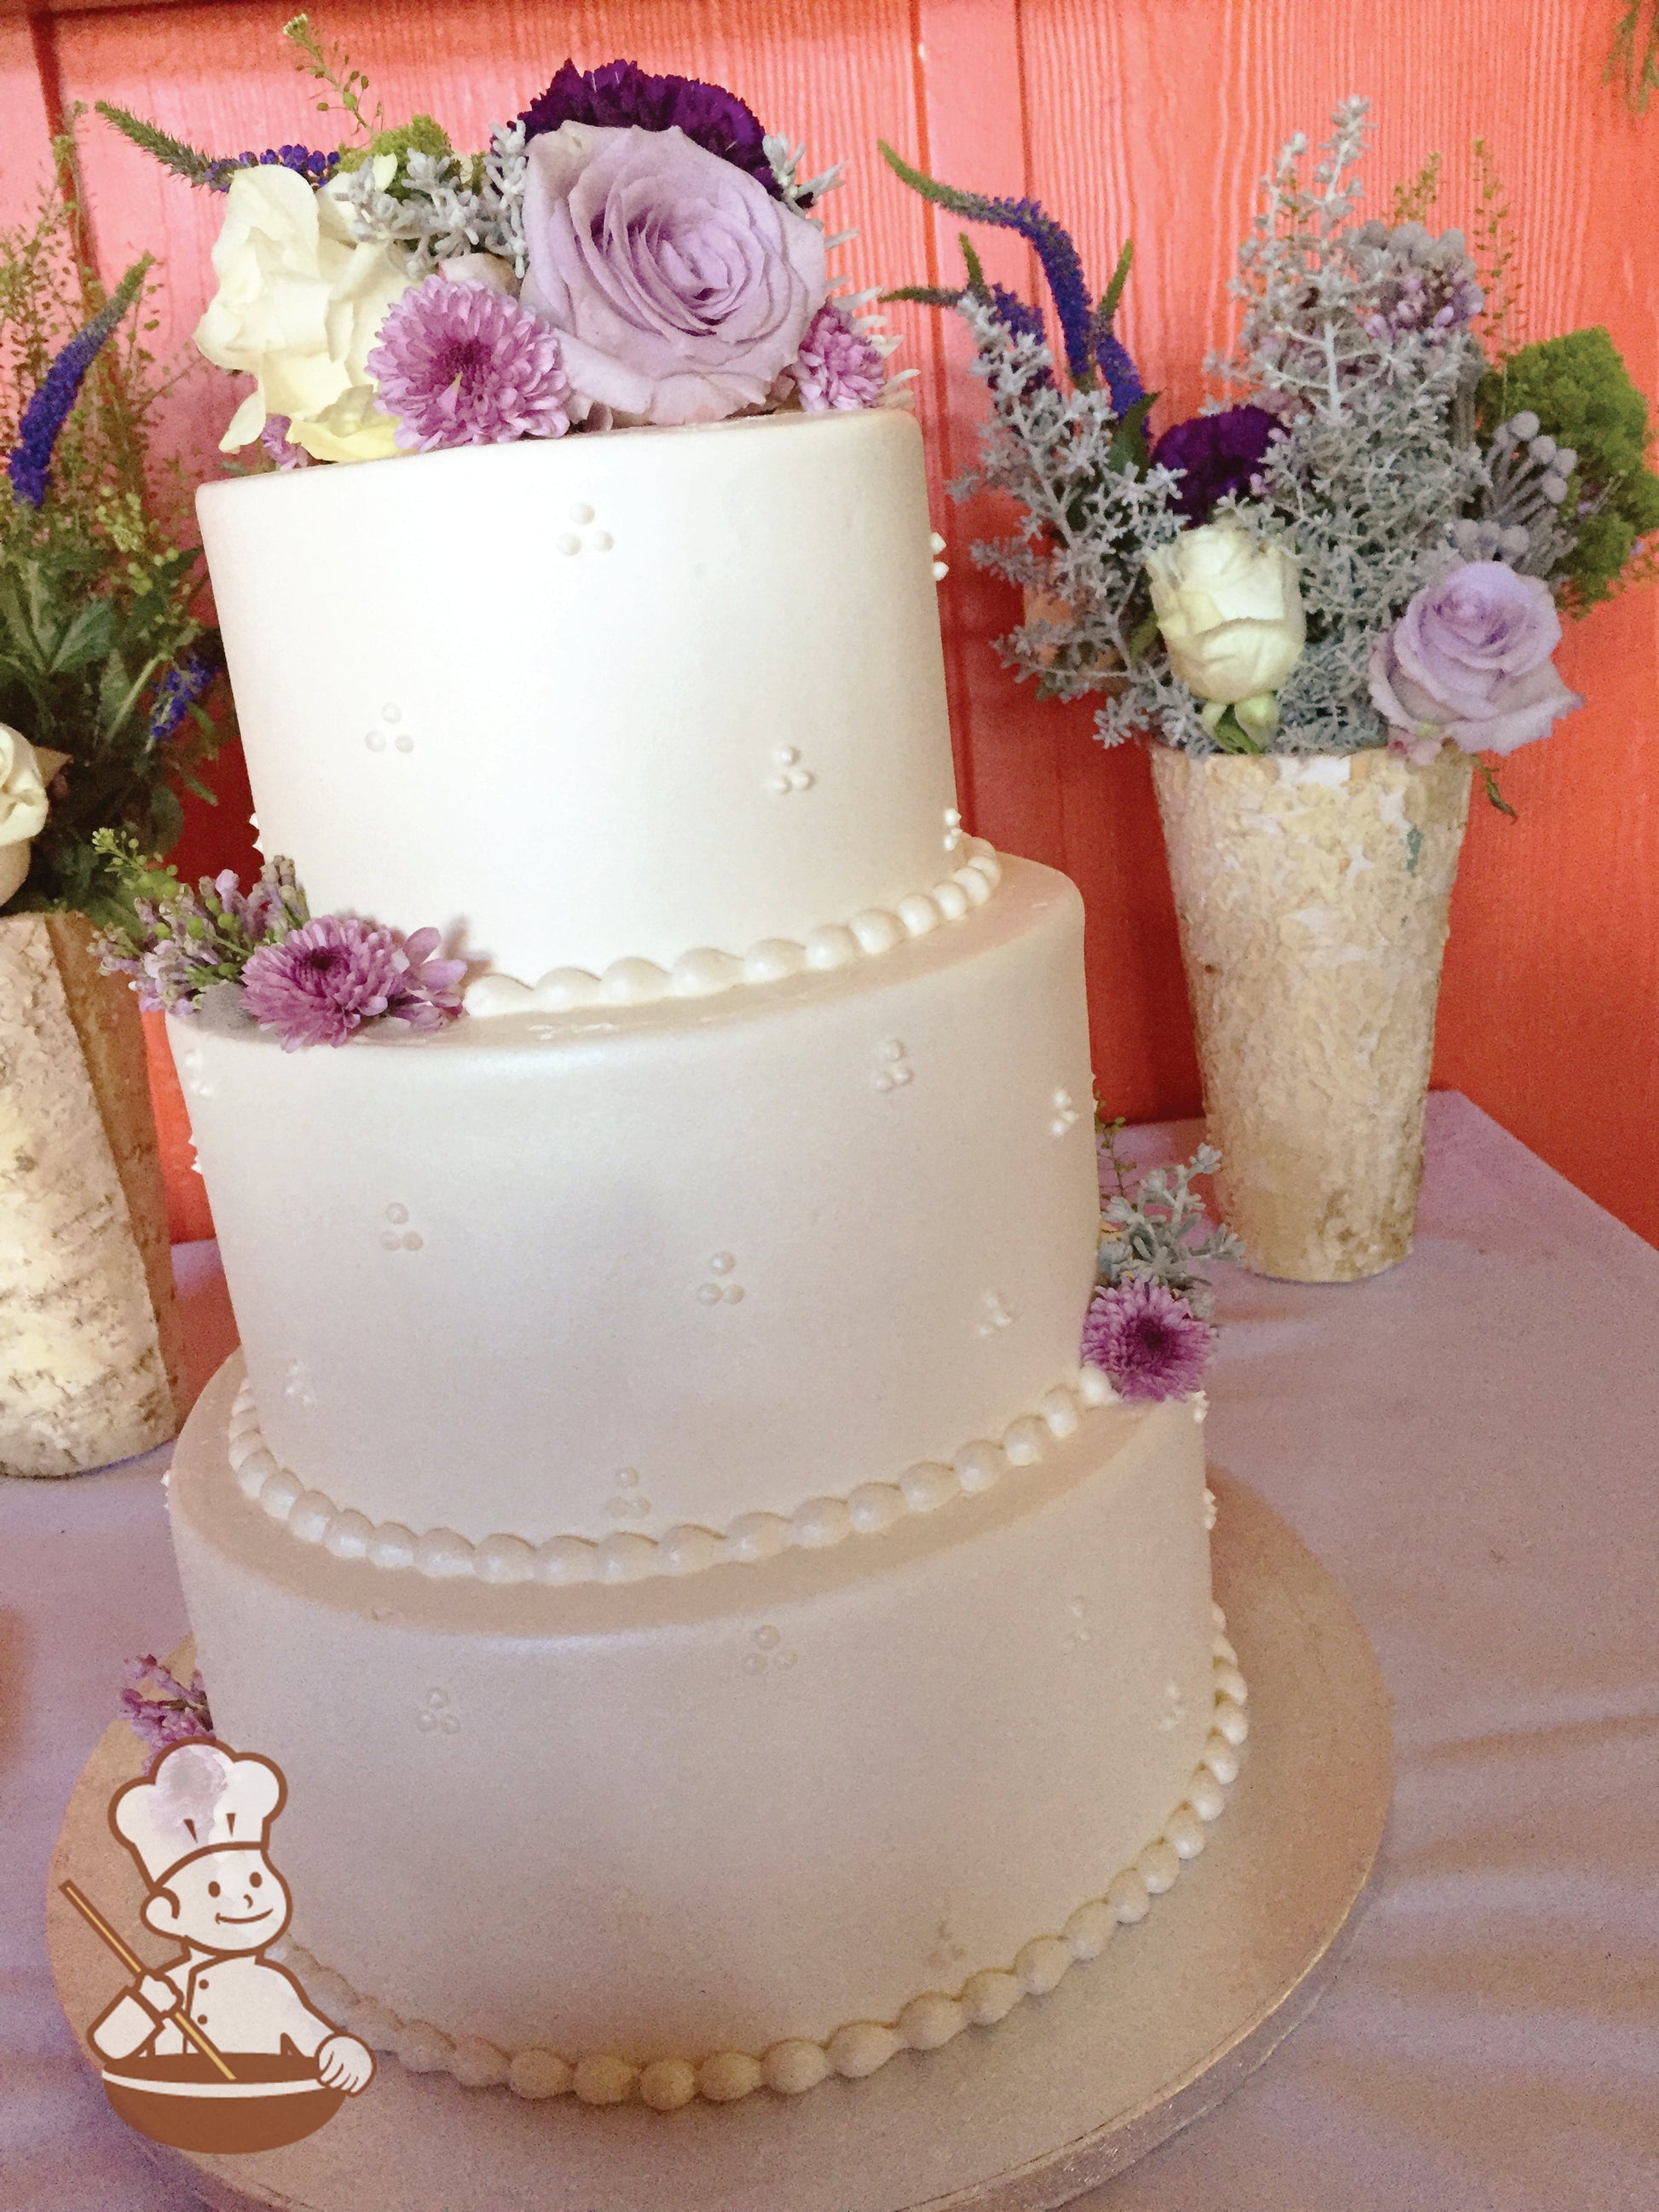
(196, 1797)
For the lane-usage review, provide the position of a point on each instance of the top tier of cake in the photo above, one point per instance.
(600, 698)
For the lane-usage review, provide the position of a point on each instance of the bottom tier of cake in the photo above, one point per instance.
(759, 1823)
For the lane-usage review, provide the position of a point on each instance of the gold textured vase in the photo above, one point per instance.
(1313, 894)
(88, 1335)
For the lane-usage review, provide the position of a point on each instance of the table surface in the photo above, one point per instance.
(1471, 1443)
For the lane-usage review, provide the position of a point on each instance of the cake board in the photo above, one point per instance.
(1067, 2092)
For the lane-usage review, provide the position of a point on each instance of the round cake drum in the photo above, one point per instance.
(1067, 2092)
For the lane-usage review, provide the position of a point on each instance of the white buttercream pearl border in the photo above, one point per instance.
(706, 971)
(314, 1517)
(861, 2047)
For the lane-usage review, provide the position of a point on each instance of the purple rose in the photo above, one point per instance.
(1217, 455)
(1469, 659)
(680, 289)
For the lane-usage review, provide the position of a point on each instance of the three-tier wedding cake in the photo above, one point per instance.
(715, 1632)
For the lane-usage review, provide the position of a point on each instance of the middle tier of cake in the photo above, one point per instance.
(668, 1266)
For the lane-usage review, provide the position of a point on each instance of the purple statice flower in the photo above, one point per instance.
(185, 683)
(321, 982)
(838, 365)
(620, 94)
(316, 168)
(460, 364)
(1150, 1342)
(276, 442)
(161, 1711)
(29, 465)
(1217, 455)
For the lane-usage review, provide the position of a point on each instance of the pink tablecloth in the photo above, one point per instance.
(1472, 1443)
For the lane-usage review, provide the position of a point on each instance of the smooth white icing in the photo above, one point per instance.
(794, 2064)
(723, 724)
(658, 1820)
(755, 1249)
(345, 1534)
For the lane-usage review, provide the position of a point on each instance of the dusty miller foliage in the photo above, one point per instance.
(1156, 1234)
(1377, 462)
(439, 206)
(1090, 517)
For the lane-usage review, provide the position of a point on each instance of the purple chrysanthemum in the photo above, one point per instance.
(1150, 1342)
(51, 404)
(1218, 454)
(620, 94)
(276, 442)
(161, 1711)
(462, 365)
(838, 365)
(322, 981)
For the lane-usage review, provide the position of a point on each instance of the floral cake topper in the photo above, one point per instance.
(630, 249)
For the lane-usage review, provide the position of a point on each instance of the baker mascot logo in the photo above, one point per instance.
(219, 2048)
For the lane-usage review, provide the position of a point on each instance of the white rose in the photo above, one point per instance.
(25, 772)
(299, 305)
(1230, 609)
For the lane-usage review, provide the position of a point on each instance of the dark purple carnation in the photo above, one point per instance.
(1219, 454)
(1149, 1342)
(621, 93)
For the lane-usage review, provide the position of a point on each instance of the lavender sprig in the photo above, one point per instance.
(162, 1709)
(179, 946)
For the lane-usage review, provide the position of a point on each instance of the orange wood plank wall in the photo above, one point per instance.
(1153, 118)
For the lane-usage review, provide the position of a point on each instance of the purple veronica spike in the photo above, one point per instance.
(49, 408)
(1022, 319)
(621, 93)
(183, 685)
(1061, 265)
(316, 168)
(1116, 365)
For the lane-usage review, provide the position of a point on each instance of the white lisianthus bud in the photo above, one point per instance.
(1230, 609)
(25, 772)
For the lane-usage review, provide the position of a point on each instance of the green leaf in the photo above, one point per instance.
(1489, 779)
(1114, 292)
(88, 636)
